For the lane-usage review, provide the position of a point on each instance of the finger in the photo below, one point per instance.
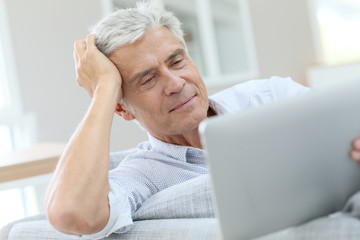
(90, 40)
(355, 155)
(80, 48)
(356, 143)
(76, 56)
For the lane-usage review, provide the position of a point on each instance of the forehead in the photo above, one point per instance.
(148, 52)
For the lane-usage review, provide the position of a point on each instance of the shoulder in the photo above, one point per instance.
(258, 92)
(284, 87)
(276, 86)
(140, 159)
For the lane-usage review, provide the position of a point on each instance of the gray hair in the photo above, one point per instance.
(132, 111)
(127, 105)
(125, 26)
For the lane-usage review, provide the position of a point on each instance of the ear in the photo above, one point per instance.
(124, 113)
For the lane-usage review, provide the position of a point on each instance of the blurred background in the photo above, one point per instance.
(315, 42)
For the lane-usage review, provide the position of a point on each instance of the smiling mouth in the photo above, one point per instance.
(180, 105)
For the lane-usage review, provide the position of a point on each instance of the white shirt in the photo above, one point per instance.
(146, 172)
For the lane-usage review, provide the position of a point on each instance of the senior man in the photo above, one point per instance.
(135, 64)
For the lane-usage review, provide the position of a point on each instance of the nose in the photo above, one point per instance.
(172, 83)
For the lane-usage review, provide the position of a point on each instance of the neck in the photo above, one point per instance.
(191, 139)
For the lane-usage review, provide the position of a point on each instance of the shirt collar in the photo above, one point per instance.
(171, 150)
(181, 153)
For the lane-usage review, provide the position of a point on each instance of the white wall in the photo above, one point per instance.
(283, 39)
(43, 32)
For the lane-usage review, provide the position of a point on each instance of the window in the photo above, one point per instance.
(17, 203)
(5, 139)
(5, 133)
(337, 24)
(16, 130)
(6, 142)
(2, 82)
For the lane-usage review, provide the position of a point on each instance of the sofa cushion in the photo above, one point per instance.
(181, 229)
(190, 199)
(5, 230)
(337, 226)
(182, 210)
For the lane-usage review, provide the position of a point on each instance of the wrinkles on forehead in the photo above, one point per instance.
(133, 69)
(146, 55)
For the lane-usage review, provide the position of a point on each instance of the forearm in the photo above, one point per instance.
(80, 185)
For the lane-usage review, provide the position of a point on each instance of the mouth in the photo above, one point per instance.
(181, 104)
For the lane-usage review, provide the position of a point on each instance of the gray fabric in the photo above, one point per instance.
(187, 208)
(37, 230)
(4, 231)
(191, 199)
(116, 157)
(353, 205)
(339, 226)
(183, 229)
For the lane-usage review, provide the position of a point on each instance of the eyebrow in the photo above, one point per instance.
(142, 74)
(174, 54)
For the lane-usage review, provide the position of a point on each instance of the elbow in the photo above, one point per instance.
(73, 222)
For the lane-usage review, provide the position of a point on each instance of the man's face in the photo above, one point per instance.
(162, 84)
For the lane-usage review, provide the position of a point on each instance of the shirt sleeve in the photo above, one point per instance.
(136, 178)
(286, 87)
(275, 89)
(120, 219)
(131, 183)
(255, 93)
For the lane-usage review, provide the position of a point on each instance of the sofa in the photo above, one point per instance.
(185, 211)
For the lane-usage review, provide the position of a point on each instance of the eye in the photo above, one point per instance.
(177, 62)
(147, 81)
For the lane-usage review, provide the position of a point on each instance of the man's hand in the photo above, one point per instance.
(355, 152)
(94, 69)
